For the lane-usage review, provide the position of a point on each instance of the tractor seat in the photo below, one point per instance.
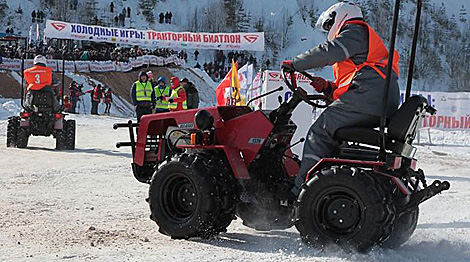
(401, 129)
(43, 101)
(363, 135)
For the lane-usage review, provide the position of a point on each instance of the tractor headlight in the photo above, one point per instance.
(203, 120)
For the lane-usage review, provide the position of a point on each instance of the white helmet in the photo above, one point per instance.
(334, 17)
(39, 59)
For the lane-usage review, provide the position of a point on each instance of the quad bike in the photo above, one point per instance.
(41, 119)
(206, 167)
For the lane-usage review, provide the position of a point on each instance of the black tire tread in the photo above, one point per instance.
(22, 137)
(379, 224)
(213, 219)
(70, 127)
(12, 129)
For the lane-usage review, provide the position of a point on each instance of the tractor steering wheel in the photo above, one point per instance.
(320, 101)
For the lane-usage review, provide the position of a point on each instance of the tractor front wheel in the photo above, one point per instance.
(185, 200)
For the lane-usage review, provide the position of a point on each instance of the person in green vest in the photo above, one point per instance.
(162, 93)
(178, 96)
(143, 96)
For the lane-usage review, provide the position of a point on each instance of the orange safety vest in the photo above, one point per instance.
(344, 72)
(37, 77)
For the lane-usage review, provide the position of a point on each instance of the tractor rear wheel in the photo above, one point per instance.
(344, 206)
(69, 134)
(12, 130)
(403, 227)
(22, 137)
(60, 139)
(185, 198)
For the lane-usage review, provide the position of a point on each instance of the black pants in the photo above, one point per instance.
(108, 108)
(94, 107)
(74, 100)
(28, 103)
(320, 141)
(142, 110)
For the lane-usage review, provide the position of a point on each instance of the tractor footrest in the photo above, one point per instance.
(419, 197)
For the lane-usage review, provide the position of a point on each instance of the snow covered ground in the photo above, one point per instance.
(85, 205)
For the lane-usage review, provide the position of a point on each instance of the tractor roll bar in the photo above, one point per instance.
(383, 118)
(419, 5)
(391, 51)
(22, 80)
(23, 57)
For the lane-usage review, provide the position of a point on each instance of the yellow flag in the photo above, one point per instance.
(235, 84)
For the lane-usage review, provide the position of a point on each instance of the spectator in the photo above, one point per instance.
(162, 93)
(143, 96)
(177, 98)
(74, 96)
(67, 104)
(111, 7)
(192, 95)
(116, 20)
(122, 18)
(40, 17)
(151, 79)
(108, 99)
(196, 54)
(170, 15)
(128, 12)
(167, 18)
(33, 16)
(161, 17)
(96, 95)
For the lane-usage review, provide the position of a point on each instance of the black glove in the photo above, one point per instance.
(171, 100)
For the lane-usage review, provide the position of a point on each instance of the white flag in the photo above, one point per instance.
(245, 74)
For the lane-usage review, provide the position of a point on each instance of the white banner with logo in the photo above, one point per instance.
(453, 110)
(95, 66)
(69, 65)
(82, 66)
(186, 40)
(102, 66)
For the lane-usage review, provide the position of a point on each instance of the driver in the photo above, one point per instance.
(359, 59)
(40, 79)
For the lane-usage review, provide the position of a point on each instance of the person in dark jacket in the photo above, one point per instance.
(74, 96)
(192, 95)
(161, 18)
(143, 96)
(359, 60)
(108, 99)
(96, 94)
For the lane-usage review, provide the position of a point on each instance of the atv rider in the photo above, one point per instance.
(40, 79)
(359, 60)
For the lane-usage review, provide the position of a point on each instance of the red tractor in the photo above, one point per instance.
(206, 167)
